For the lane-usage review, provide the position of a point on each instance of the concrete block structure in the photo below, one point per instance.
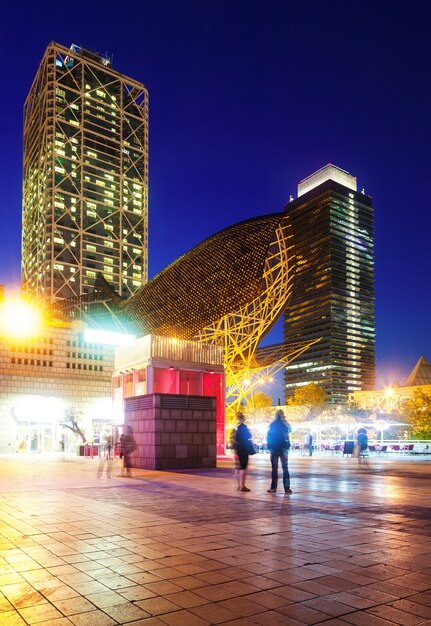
(172, 393)
(173, 431)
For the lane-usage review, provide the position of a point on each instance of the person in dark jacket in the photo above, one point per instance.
(242, 439)
(278, 445)
(129, 446)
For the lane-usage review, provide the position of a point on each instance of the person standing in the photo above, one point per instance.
(278, 445)
(130, 446)
(310, 444)
(362, 444)
(242, 440)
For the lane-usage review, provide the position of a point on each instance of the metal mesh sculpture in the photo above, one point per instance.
(241, 331)
(229, 290)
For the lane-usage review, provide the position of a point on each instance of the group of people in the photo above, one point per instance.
(126, 446)
(278, 441)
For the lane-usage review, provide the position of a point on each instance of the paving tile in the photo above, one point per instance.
(185, 599)
(413, 607)
(329, 606)
(163, 587)
(11, 618)
(88, 588)
(362, 618)
(243, 606)
(351, 600)
(190, 582)
(273, 618)
(92, 618)
(214, 613)
(378, 597)
(40, 613)
(183, 618)
(387, 586)
(157, 606)
(61, 621)
(138, 557)
(106, 598)
(124, 614)
(303, 613)
(395, 615)
(5, 605)
(22, 595)
(71, 606)
(292, 593)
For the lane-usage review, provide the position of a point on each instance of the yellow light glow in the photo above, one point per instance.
(389, 392)
(19, 318)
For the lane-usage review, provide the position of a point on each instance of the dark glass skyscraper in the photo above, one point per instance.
(333, 292)
(85, 185)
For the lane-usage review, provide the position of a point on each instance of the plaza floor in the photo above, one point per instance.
(351, 545)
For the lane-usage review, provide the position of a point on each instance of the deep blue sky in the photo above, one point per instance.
(246, 99)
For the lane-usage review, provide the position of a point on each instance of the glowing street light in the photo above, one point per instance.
(19, 318)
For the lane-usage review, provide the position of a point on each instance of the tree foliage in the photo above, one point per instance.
(417, 410)
(352, 409)
(261, 400)
(311, 398)
(70, 421)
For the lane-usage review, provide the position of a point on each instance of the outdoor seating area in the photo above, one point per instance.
(345, 447)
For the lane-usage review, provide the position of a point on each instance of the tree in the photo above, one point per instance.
(261, 400)
(352, 409)
(70, 421)
(311, 398)
(417, 411)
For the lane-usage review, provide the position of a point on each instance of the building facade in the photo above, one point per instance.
(85, 177)
(333, 292)
(42, 376)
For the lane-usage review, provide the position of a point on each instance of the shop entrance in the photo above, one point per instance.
(37, 437)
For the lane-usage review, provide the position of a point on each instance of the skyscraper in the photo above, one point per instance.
(85, 207)
(333, 292)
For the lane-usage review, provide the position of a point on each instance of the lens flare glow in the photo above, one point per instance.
(19, 318)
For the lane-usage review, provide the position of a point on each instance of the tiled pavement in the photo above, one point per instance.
(351, 545)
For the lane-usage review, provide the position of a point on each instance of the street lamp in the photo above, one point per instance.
(19, 318)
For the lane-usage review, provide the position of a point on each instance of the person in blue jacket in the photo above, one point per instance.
(242, 439)
(279, 445)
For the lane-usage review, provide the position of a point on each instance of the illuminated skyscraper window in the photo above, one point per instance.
(333, 292)
(85, 191)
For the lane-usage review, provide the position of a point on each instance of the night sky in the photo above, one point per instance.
(246, 99)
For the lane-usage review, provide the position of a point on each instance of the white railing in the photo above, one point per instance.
(167, 348)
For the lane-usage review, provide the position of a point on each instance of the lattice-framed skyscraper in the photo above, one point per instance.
(85, 170)
(333, 289)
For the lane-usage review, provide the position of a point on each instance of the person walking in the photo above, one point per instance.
(130, 446)
(278, 445)
(242, 442)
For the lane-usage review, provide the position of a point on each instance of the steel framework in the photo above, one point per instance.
(85, 177)
(229, 290)
(241, 331)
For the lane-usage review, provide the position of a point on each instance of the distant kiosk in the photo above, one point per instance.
(172, 392)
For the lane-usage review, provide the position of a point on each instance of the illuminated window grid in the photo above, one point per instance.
(94, 151)
(333, 294)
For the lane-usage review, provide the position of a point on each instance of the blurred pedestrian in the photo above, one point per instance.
(108, 446)
(279, 445)
(129, 446)
(243, 446)
(362, 443)
(310, 444)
